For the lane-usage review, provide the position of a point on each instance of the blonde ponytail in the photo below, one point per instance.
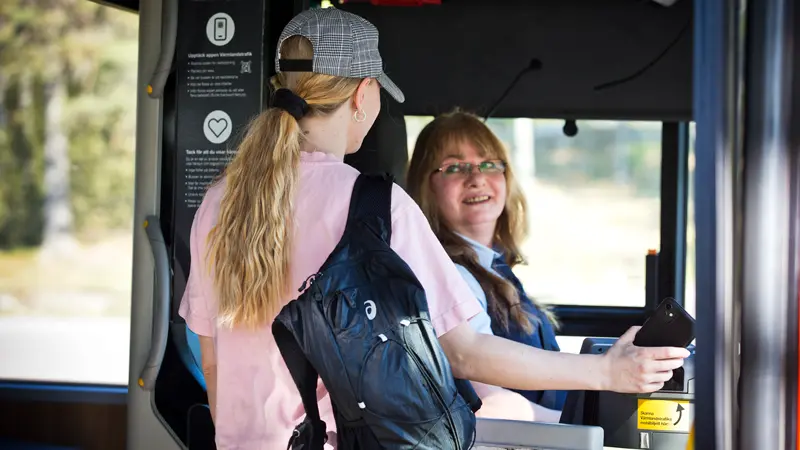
(251, 243)
(249, 249)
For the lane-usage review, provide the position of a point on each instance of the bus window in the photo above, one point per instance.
(593, 206)
(66, 194)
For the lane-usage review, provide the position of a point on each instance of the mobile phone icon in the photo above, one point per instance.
(220, 29)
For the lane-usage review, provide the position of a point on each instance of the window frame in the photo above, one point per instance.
(61, 392)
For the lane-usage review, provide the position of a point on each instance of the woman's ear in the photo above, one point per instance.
(361, 92)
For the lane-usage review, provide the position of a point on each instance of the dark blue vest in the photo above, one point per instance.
(543, 336)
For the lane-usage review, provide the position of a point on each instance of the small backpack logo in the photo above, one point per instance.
(371, 311)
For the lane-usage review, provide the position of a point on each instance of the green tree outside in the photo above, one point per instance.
(66, 121)
(67, 128)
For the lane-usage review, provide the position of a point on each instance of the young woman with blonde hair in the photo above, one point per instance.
(280, 210)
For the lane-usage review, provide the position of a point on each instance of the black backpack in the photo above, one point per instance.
(362, 324)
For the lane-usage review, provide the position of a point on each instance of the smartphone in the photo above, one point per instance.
(669, 326)
(220, 29)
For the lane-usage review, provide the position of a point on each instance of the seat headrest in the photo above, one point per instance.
(385, 147)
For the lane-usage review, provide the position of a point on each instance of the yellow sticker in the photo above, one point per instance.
(665, 415)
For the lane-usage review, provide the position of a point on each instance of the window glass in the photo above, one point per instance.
(593, 206)
(67, 130)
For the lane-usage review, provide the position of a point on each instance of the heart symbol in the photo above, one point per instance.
(217, 126)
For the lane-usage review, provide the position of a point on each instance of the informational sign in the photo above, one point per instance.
(665, 415)
(219, 74)
(220, 29)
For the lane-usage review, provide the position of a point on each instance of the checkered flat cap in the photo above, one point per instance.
(345, 45)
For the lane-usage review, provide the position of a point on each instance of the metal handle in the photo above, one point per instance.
(169, 35)
(161, 301)
(553, 436)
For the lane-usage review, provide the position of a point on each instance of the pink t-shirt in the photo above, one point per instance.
(257, 402)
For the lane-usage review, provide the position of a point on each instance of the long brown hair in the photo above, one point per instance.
(440, 135)
(250, 246)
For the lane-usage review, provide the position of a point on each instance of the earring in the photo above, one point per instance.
(360, 118)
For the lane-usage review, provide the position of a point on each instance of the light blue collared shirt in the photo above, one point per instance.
(481, 323)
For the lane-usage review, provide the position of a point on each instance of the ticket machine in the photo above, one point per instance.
(658, 421)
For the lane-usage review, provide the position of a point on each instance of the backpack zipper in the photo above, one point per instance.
(309, 281)
(436, 391)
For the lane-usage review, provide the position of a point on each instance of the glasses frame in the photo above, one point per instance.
(469, 166)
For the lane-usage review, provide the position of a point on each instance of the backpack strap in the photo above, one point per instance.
(371, 204)
(310, 434)
(468, 393)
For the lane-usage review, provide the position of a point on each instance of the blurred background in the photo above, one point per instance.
(67, 128)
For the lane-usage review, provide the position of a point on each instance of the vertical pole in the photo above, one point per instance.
(767, 180)
(717, 114)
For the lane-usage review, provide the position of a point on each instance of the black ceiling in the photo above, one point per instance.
(580, 43)
(467, 52)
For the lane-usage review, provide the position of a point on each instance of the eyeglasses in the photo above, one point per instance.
(465, 168)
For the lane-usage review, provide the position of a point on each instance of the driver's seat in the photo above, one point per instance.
(385, 147)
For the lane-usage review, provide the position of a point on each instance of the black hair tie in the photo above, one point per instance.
(290, 102)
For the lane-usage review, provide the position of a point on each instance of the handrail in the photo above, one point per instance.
(169, 35)
(552, 436)
(161, 301)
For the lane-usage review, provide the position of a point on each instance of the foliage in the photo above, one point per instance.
(625, 154)
(93, 50)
